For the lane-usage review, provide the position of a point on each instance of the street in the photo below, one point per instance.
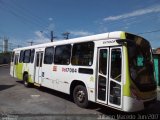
(19, 102)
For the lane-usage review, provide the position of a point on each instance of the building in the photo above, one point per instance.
(156, 57)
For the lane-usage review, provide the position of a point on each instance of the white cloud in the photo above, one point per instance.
(153, 9)
(51, 26)
(126, 27)
(43, 36)
(80, 33)
(40, 37)
(50, 19)
(39, 34)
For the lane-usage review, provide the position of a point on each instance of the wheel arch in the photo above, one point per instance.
(74, 83)
(24, 73)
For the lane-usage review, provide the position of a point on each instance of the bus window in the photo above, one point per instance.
(27, 56)
(103, 61)
(115, 93)
(21, 56)
(12, 57)
(16, 59)
(116, 64)
(32, 55)
(41, 59)
(82, 54)
(48, 56)
(62, 54)
(37, 60)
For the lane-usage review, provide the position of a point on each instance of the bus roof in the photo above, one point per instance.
(109, 35)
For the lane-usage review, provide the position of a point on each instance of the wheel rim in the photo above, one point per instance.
(80, 96)
(25, 82)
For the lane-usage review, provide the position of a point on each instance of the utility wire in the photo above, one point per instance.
(29, 12)
(21, 17)
(24, 19)
(25, 12)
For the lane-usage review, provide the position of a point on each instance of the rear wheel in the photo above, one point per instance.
(25, 81)
(80, 96)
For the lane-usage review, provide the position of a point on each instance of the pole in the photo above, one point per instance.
(52, 36)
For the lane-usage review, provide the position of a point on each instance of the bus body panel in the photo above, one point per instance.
(131, 104)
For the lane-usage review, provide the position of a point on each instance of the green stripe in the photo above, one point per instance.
(126, 87)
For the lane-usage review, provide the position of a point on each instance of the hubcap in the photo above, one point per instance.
(80, 96)
(25, 81)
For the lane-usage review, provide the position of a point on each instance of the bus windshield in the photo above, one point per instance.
(141, 64)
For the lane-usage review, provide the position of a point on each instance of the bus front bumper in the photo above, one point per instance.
(132, 105)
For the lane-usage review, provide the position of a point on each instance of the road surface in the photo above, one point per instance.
(19, 102)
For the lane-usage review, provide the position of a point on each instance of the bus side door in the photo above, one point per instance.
(12, 65)
(38, 67)
(109, 75)
(115, 77)
(15, 65)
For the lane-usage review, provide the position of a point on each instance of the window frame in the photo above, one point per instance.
(92, 59)
(111, 67)
(32, 57)
(55, 56)
(21, 58)
(44, 62)
(12, 56)
(29, 57)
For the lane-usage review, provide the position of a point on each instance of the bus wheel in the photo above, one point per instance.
(80, 96)
(25, 80)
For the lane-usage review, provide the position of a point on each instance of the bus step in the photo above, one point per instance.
(36, 84)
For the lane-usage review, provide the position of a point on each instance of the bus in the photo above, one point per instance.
(114, 69)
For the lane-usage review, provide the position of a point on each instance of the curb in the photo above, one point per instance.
(1, 65)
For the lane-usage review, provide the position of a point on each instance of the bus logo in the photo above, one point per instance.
(54, 68)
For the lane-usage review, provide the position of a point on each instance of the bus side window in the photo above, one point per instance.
(41, 59)
(62, 55)
(82, 54)
(32, 55)
(48, 56)
(12, 57)
(37, 60)
(21, 56)
(27, 54)
(16, 60)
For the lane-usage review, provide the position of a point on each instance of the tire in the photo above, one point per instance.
(80, 96)
(25, 81)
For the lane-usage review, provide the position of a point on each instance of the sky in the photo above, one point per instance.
(24, 21)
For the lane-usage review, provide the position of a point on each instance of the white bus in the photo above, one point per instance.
(114, 69)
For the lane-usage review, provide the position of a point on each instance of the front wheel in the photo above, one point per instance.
(80, 96)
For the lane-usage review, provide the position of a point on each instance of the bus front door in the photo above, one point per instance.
(15, 65)
(102, 76)
(38, 67)
(109, 85)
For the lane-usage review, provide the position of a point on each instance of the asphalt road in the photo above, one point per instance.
(19, 102)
